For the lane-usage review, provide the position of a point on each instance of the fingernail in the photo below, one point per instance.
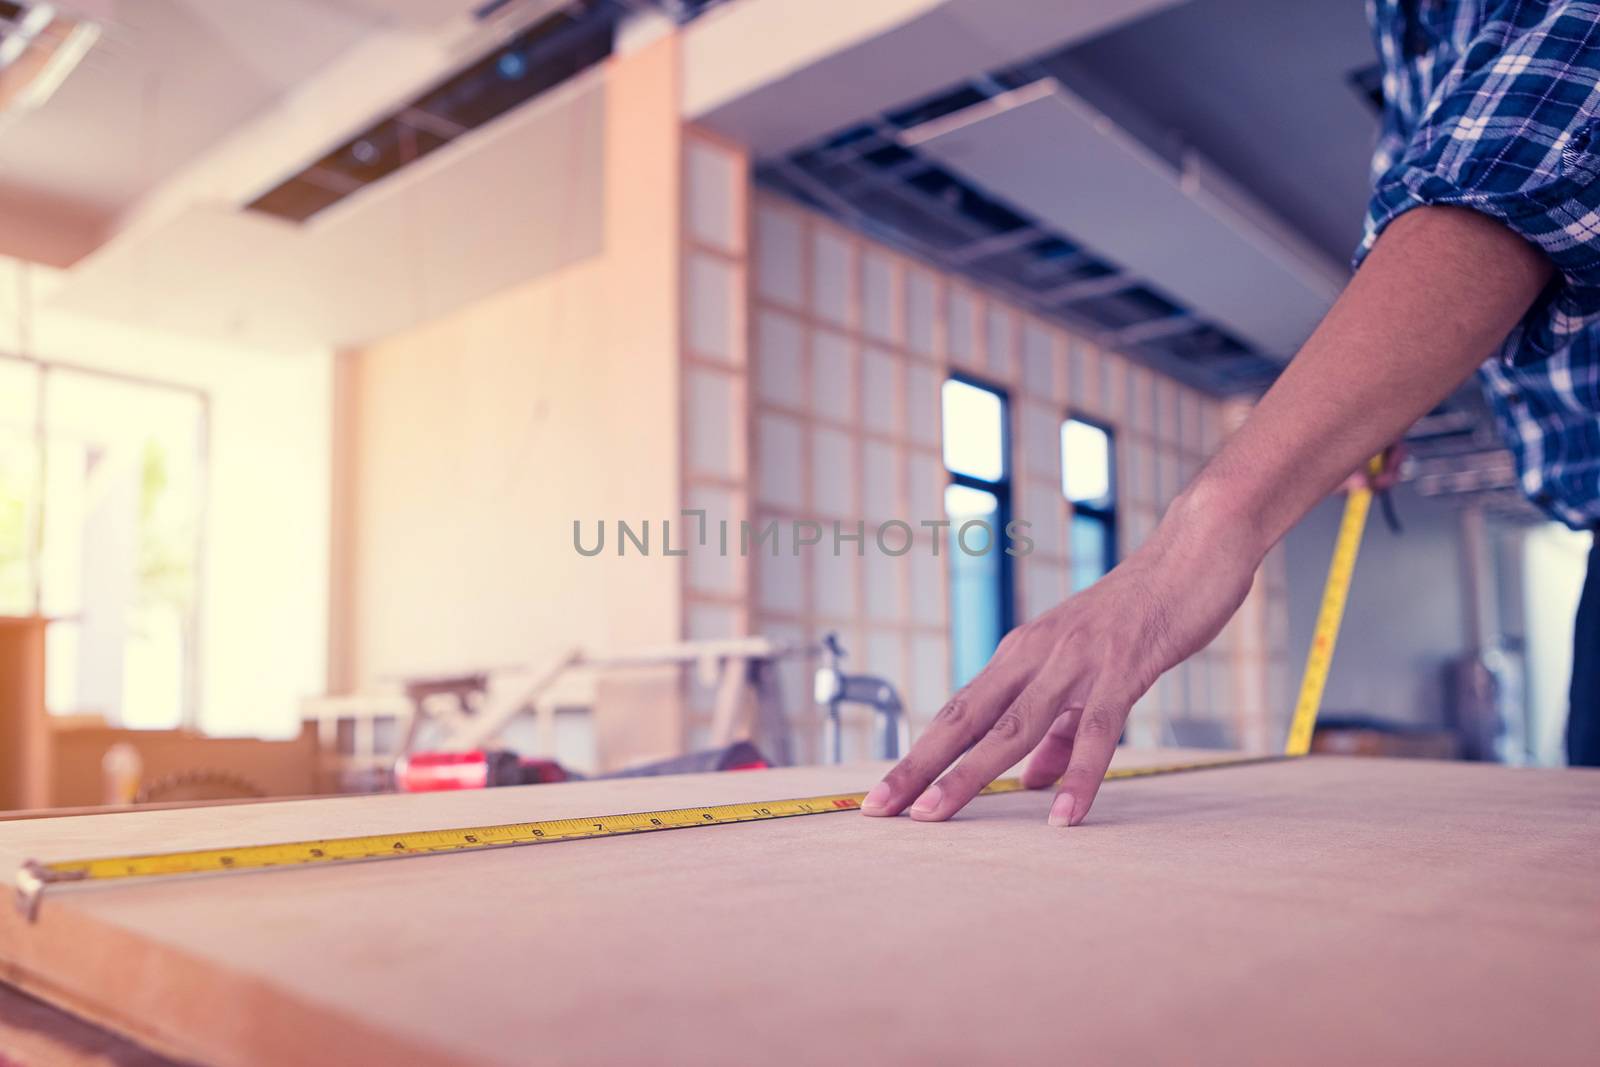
(876, 801)
(1061, 810)
(928, 802)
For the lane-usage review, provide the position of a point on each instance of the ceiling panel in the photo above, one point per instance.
(1040, 148)
(779, 73)
(396, 254)
(166, 80)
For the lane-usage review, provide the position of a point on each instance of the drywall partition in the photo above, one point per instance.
(481, 437)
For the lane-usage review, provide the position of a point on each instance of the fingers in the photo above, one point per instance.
(959, 723)
(1054, 752)
(1010, 738)
(1390, 464)
(1099, 727)
(1380, 473)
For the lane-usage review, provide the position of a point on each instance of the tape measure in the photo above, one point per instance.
(1335, 592)
(35, 877)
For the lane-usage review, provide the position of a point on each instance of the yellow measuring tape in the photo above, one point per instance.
(1335, 592)
(35, 877)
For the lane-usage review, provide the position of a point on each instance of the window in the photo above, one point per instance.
(978, 505)
(19, 474)
(1088, 479)
(974, 432)
(101, 507)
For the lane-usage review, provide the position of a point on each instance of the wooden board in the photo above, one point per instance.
(24, 725)
(274, 768)
(1324, 911)
(34, 1034)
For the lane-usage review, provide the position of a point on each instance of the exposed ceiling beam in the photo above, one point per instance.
(1142, 333)
(1088, 289)
(993, 246)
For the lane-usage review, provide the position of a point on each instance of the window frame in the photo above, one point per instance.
(1001, 491)
(1106, 514)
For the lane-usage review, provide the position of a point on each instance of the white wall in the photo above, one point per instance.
(1406, 615)
(1554, 562)
(264, 608)
(480, 438)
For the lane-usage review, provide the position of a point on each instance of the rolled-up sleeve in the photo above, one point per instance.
(1513, 131)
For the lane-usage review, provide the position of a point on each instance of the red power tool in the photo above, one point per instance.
(427, 772)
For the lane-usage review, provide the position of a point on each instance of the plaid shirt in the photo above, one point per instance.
(1495, 105)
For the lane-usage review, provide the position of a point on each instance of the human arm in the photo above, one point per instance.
(1439, 290)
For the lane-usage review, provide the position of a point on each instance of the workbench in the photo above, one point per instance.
(1323, 910)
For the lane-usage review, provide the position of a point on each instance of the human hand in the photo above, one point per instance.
(1381, 474)
(1062, 685)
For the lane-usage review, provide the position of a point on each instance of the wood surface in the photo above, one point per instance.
(34, 1034)
(24, 725)
(55, 761)
(77, 750)
(1328, 910)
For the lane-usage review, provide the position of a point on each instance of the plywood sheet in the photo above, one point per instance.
(34, 1034)
(1327, 910)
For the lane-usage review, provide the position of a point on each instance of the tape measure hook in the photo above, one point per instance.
(32, 880)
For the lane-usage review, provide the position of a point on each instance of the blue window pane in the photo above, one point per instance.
(974, 431)
(977, 598)
(1091, 550)
(1086, 463)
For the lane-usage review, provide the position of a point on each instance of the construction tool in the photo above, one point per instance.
(432, 772)
(469, 712)
(461, 713)
(1330, 614)
(834, 688)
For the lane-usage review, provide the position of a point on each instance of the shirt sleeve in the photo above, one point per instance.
(1513, 131)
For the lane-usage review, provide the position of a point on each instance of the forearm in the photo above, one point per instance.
(1438, 292)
